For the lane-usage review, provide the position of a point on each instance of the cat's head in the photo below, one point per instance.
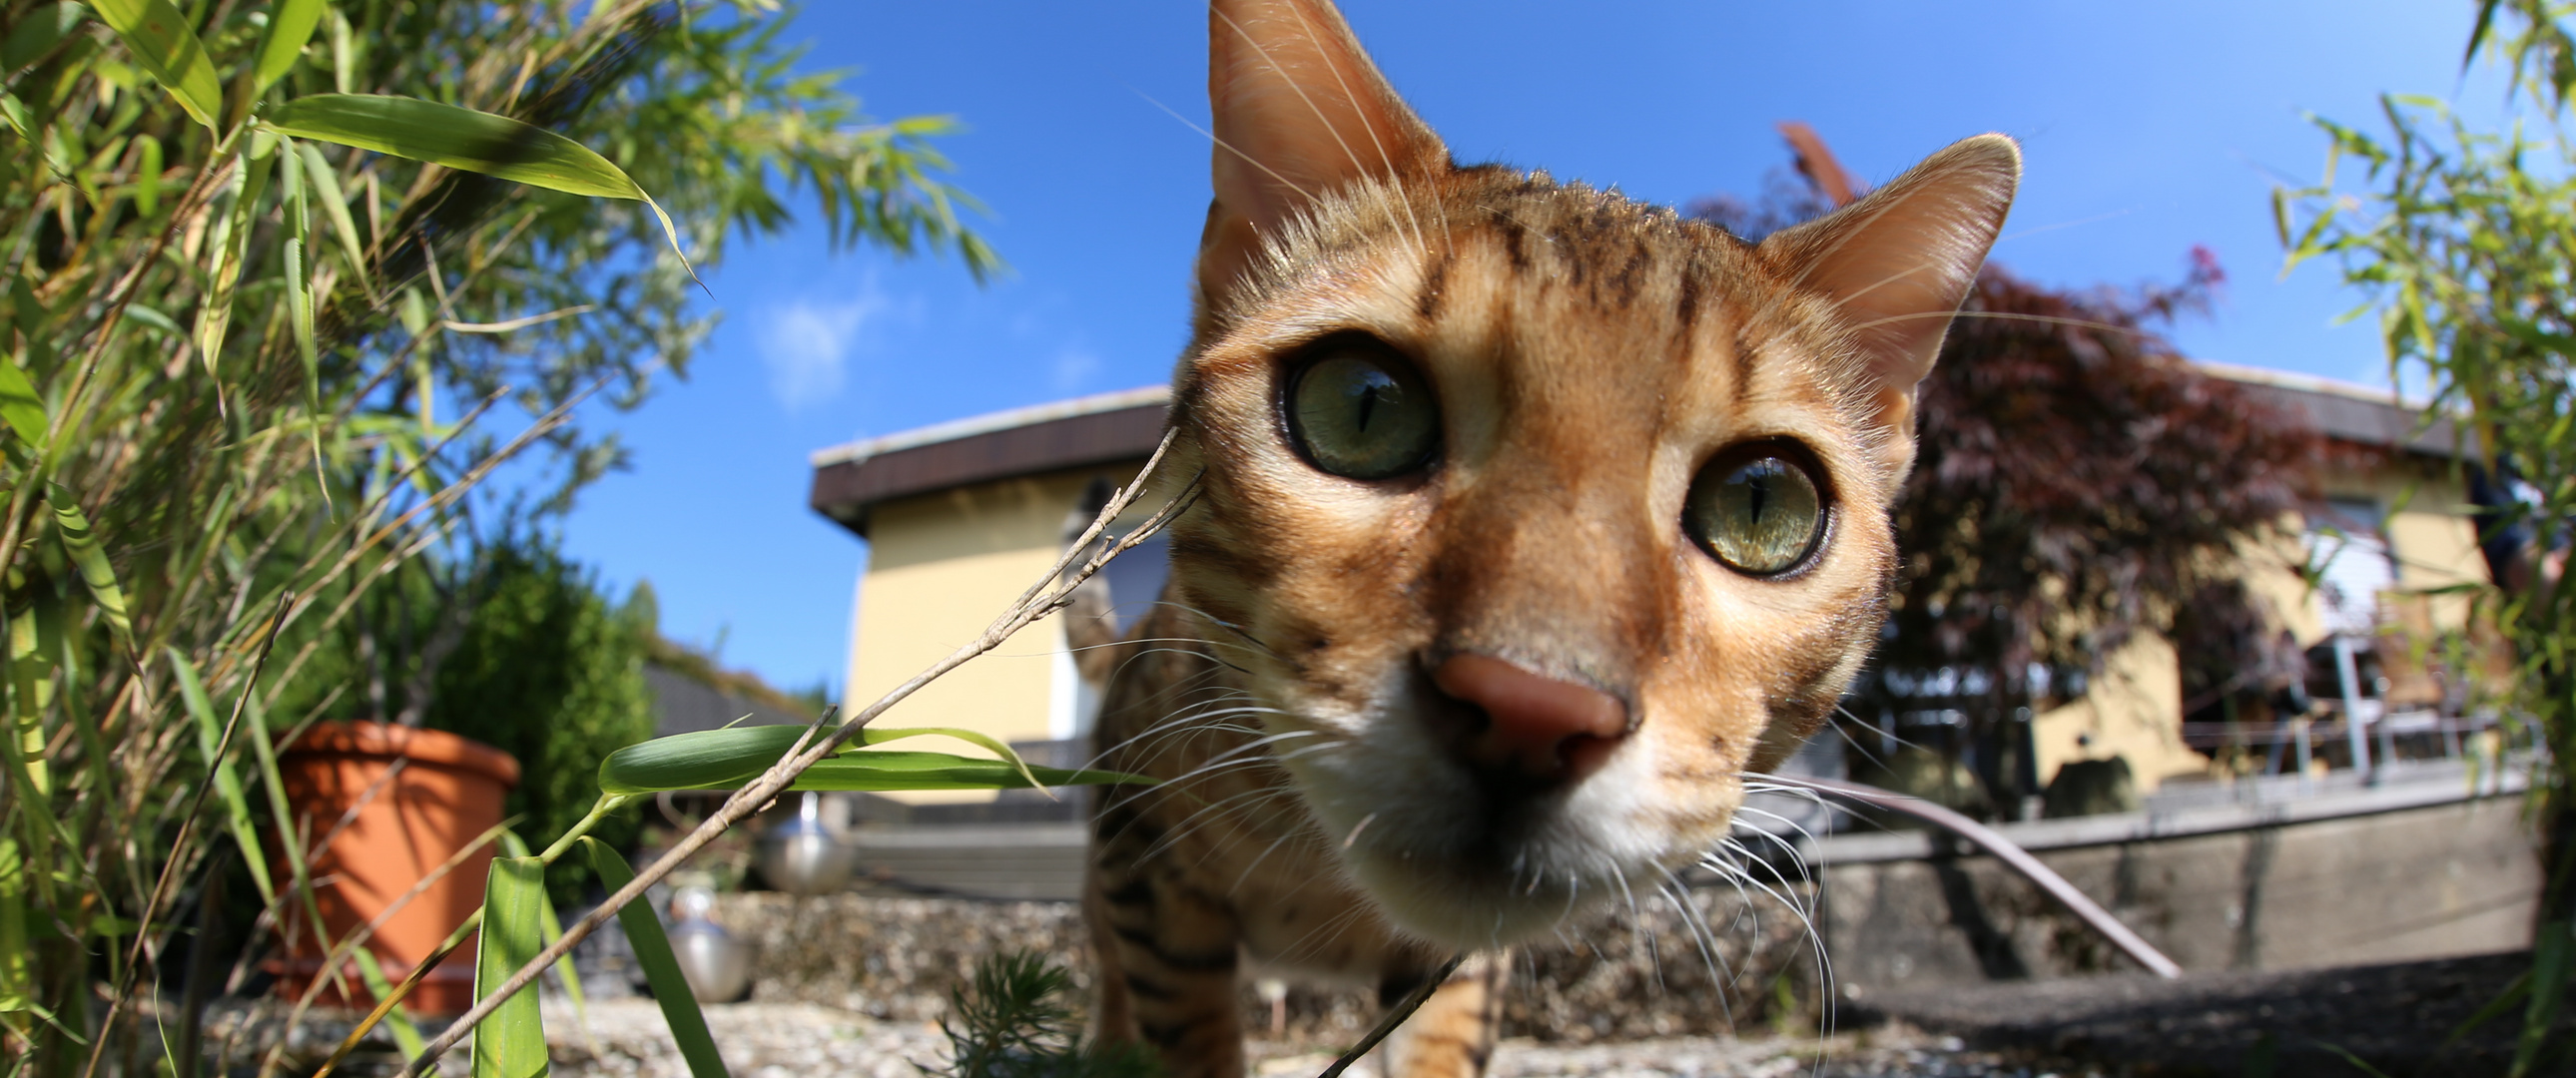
(1540, 516)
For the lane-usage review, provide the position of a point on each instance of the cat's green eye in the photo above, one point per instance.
(1759, 513)
(1362, 412)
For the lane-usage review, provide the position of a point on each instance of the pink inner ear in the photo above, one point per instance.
(1899, 261)
(1300, 111)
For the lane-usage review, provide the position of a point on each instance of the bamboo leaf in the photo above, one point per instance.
(463, 138)
(459, 138)
(16, 980)
(342, 53)
(147, 174)
(881, 770)
(228, 785)
(290, 25)
(335, 205)
(2549, 961)
(406, 1035)
(37, 33)
(228, 248)
(707, 759)
(727, 759)
(20, 405)
(96, 574)
(158, 37)
(511, 1043)
(550, 924)
(299, 283)
(661, 968)
(875, 736)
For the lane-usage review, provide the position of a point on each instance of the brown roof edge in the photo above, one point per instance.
(847, 485)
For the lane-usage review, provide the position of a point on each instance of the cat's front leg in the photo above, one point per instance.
(1452, 1036)
(1167, 953)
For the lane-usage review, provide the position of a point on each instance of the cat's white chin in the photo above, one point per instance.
(1447, 862)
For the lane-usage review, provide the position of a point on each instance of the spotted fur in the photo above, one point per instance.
(1589, 354)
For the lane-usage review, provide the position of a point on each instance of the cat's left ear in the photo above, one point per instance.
(1899, 261)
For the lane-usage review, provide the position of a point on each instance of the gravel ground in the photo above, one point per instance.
(625, 1039)
(2397, 1018)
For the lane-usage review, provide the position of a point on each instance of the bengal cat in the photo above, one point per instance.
(1530, 519)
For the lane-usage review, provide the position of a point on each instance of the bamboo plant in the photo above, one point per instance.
(286, 286)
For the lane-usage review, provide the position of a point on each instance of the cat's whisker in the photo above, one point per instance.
(2034, 230)
(1223, 144)
(1712, 957)
(1356, 828)
(2007, 316)
(1806, 917)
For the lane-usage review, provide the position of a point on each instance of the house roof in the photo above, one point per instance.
(1108, 428)
(2351, 413)
(851, 480)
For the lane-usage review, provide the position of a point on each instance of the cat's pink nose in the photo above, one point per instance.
(1537, 729)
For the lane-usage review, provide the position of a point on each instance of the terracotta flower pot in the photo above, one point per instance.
(408, 823)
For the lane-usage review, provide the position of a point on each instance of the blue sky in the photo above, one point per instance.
(2147, 128)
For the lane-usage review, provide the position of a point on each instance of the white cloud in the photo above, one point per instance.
(1074, 368)
(807, 345)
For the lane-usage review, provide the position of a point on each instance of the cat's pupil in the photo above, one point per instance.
(1761, 516)
(1362, 413)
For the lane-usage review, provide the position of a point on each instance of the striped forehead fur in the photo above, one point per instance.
(1626, 254)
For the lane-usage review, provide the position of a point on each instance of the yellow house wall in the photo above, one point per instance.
(2433, 537)
(2130, 709)
(940, 568)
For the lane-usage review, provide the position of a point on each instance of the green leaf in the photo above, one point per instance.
(406, 1035)
(158, 37)
(299, 281)
(463, 138)
(37, 33)
(2549, 961)
(882, 770)
(17, 981)
(459, 138)
(2514, 992)
(20, 405)
(335, 205)
(661, 968)
(147, 176)
(511, 1042)
(227, 249)
(290, 25)
(727, 759)
(228, 785)
(876, 736)
(550, 924)
(707, 759)
(95, 572)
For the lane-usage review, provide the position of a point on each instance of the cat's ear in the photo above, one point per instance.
(1300, 111)
(1899, 261)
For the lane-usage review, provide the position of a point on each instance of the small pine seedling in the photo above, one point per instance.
(1011, 1022)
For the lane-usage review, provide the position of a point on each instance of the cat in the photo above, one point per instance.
(1528, 519)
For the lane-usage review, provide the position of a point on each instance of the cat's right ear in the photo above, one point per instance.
(1899, 261)
(1300, 111)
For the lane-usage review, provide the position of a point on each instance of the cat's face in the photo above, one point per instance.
(1543, 515)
